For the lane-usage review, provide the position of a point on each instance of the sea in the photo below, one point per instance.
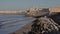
(13, 22)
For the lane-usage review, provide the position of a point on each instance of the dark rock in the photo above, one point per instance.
(56, 18)
(44, 25)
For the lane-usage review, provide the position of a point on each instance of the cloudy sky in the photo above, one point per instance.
(23, 4)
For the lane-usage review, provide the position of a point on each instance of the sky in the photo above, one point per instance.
(24, 4)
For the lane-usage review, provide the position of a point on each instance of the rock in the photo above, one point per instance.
(37, 12)
(56, 18)
(44, 25)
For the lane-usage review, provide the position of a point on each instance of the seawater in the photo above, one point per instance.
(12, 22)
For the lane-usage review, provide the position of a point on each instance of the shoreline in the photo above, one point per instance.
(25, 29)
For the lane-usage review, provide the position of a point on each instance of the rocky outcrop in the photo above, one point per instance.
(42, 25)
(37, 12)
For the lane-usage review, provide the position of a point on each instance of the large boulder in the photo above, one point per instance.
(44, 25)
(37, 12)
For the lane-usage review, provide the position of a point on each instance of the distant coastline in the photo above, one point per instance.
(52, 9)
(11, 12)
